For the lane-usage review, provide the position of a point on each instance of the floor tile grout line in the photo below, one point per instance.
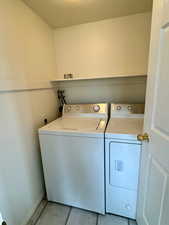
(68, 216)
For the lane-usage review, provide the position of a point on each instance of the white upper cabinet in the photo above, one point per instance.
(112, 47)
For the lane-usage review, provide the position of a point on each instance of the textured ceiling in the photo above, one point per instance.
(61, 13)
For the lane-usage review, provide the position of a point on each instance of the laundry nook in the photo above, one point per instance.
(84, 133)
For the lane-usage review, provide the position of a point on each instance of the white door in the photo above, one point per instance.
(121, 178)
(153, 208)
(1, 220)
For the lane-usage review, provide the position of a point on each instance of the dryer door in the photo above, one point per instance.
(122, 171)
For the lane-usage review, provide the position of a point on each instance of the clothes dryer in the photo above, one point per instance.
(123, 152)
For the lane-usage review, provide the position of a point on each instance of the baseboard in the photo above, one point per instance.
(37, 212)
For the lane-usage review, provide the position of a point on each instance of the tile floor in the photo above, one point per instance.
(56, 214)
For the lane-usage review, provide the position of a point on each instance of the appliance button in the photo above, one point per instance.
(96, 108)
(77, 108)
(118, 107)
(68, 109)
(130, 108)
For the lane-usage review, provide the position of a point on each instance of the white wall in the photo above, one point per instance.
(26, 61)
(104, 48)
(116, 90)
(21, 181)
(26, 43)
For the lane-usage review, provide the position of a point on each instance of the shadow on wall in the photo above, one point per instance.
(124, 90)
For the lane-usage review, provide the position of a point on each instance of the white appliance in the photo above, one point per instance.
(123, 158)
(72, 149)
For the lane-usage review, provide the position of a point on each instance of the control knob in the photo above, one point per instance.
(77, 108)
(96, 108)
(118, 107)
(130, 108)
(68, 109)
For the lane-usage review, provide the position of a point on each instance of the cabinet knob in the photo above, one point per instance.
(143, 137)
(4, 223)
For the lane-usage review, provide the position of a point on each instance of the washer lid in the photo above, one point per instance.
(75, 126)
(124, 128)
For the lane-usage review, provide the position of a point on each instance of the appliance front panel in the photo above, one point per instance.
(122, 172)
(74, 171)
(124, 159)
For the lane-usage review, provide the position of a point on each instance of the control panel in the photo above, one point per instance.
(86, 108)
(127, 109)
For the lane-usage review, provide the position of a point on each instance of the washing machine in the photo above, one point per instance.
(72, 149)
(123, 151)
